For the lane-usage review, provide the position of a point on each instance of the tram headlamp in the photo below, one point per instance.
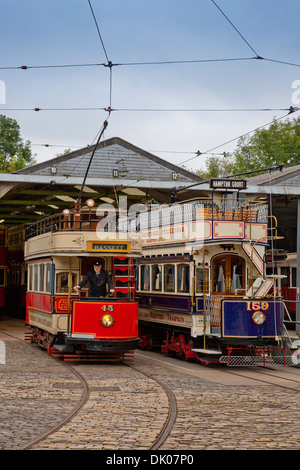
(107, 320)
(90, 203)
(258, 318)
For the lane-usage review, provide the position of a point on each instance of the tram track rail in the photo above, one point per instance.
(84, 398)
(269, 382)
(261, 375)
(163, 434)
(168, 426)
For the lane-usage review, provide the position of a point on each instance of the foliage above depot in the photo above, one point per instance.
(280, 143)
(14, 153)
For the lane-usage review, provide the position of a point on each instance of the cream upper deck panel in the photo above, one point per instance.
(80, 242)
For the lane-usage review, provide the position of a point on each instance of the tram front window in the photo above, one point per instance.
(219, 270)
(62, 282)
(228, 274)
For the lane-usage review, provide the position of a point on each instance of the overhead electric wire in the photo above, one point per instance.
(239, 33)
(109, 63)
(54, 109)
(99, 34)
(213, 110)
(163, 62)
(281, 62)
(156, 110)
(186, 61)
(234, 139)
(25, 67)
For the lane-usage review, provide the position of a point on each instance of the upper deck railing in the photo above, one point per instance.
(72, 222)
(205, 209)
(153, 216)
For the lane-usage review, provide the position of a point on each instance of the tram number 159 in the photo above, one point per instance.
(257, 306)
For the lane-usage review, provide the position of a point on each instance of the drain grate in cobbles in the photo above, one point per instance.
(75, 386)
(105, 389)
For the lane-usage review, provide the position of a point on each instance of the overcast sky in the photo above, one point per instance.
(63, 32)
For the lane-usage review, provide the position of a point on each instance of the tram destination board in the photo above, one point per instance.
(226, 183)
(99, 246)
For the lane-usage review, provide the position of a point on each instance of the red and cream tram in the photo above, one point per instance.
(202, 283)
(58, 252)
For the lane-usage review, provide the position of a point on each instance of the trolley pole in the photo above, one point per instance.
(298, 272)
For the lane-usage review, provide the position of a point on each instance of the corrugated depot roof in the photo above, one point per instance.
(111, 155)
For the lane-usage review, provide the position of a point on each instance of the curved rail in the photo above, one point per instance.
(78, 407)
(164, 433)
(262, 376)
(84, 398)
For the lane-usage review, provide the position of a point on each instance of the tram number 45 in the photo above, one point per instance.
(107, 308)
(257, 306)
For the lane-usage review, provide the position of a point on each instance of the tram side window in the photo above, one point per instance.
(202, 283)
(145, 277)
(183, 278)
(42, 277)
(30, 278)
(169, 278)
(156, 277)
(294, 277)
(136, 277)
(36, 277)
(2, 238)
(285, 281)
(2, 277)
(48, 277)
(62, 282)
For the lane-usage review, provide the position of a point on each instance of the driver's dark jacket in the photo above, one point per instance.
(97, 283)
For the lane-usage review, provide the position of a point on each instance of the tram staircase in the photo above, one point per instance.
(262, 285)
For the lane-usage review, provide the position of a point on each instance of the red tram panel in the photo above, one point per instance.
(86, 319)
(39, 302)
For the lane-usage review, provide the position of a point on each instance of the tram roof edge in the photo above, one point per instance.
(44, 179)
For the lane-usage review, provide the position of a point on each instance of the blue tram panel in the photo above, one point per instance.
(252, 318)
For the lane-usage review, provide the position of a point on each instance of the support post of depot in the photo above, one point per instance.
(298, 272)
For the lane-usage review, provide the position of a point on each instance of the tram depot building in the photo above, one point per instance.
(117, 169)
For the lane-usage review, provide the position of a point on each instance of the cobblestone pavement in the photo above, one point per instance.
(126, 410)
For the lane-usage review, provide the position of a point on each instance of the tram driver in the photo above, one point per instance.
(98, 279)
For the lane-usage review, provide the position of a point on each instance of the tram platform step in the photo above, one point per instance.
(208, 351)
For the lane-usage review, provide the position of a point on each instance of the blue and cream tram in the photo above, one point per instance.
(202, 284)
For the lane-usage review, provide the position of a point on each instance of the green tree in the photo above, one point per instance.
(14, 153)
(279, 143)
(218, 167)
